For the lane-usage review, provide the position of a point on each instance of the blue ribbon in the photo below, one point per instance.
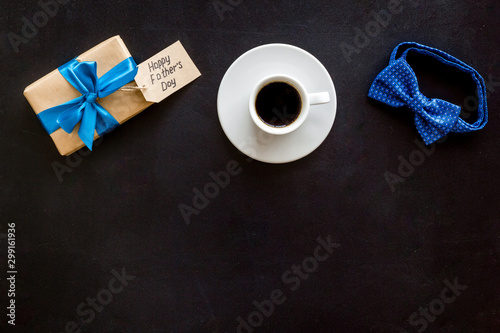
(397, 85)
(84, 109)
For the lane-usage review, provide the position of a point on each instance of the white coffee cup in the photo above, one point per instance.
(306, 99)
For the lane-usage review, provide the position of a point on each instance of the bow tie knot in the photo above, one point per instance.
(419, 102)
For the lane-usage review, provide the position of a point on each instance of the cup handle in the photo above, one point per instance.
(319, 98)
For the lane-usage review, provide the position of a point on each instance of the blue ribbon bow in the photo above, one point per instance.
(85, 109)
(397, 85)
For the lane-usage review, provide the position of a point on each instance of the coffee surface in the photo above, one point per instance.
(278, 104)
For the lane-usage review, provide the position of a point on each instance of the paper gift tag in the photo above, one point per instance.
(166, 72)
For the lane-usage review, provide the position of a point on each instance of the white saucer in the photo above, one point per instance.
(235, 89)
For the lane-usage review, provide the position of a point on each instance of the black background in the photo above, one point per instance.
(118, 208)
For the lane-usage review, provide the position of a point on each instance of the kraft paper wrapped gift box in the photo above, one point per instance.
(53, 89)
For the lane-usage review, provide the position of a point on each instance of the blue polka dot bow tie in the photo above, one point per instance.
(397, 86)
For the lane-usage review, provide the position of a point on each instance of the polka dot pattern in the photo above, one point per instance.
(397, 86)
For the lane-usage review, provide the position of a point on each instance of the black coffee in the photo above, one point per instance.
(278, 104)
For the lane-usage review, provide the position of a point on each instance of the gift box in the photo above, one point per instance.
(111, 57)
